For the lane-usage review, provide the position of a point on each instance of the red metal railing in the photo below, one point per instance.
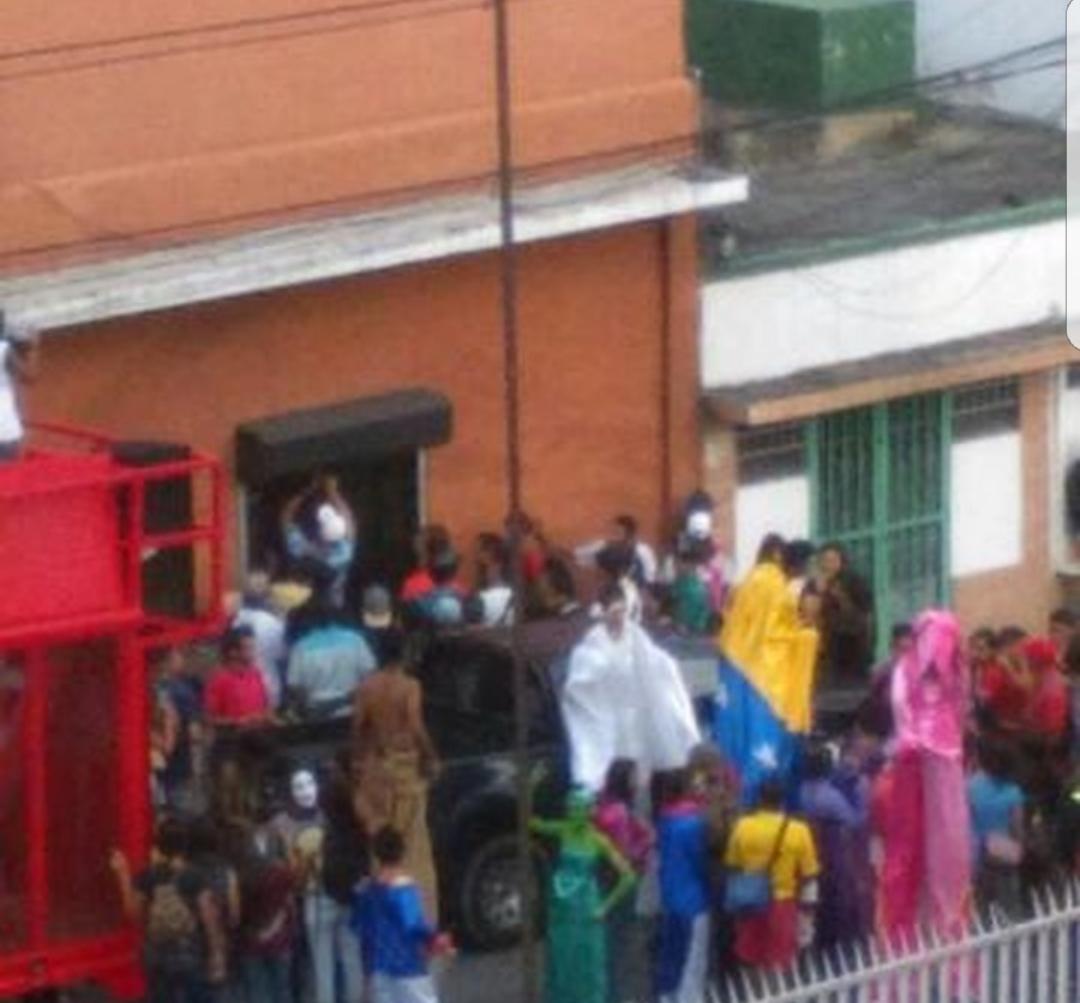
(35, 955)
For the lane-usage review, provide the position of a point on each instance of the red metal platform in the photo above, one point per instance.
(74, 636)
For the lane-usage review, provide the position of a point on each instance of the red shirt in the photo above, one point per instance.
(236, 695)
(418, 584)
(1002, 694)
(1048, 711)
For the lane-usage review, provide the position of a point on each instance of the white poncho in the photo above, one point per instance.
(625, 699)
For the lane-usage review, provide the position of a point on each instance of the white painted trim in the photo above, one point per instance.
(353, 245)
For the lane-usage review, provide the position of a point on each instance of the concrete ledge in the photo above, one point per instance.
(357, 244)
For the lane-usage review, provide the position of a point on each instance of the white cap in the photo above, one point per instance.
(332, 525)
(699, 525)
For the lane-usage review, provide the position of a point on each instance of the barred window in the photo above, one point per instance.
(986, 409)
(771, 452)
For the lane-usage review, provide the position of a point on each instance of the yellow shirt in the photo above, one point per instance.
(751, 845)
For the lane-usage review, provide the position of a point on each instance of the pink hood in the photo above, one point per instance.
(930, 687)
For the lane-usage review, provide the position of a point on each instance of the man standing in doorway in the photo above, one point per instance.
(332, 539)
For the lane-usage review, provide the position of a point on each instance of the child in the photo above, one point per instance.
(183, 935)
(396, 940)
(997, 829)
(685, 899)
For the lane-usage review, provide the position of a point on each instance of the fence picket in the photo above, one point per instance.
(1033, 961)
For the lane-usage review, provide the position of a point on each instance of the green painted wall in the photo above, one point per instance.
(801, 53)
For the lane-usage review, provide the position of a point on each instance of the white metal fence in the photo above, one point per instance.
(1034, 961)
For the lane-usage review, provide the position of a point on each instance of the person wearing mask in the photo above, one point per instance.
(624, 697)
(330, 540)
(393, 761)
(769, 841)
(928, 854)
(301, 830)
(18, 365)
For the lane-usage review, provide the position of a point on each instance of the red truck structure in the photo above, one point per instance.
(108, 551)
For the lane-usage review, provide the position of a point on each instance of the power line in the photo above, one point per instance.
(439, 7)
(204, 29)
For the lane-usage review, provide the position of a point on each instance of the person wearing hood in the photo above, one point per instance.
(624, 698)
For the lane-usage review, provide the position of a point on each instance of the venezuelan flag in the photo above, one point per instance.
(767, 657)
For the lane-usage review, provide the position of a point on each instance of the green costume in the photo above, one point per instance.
(576, 938)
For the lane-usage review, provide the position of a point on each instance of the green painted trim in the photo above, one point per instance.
(926, 232)
(881, 458)
(946, 497)
(812, 446)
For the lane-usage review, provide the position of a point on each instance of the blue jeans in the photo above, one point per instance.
(267, 979)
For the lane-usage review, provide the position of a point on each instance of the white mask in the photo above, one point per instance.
(305, 790)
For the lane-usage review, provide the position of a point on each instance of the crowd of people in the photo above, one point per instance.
(954, 786)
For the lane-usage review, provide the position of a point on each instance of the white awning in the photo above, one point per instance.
(352, 245)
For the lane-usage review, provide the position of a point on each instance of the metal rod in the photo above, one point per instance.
(508, 290)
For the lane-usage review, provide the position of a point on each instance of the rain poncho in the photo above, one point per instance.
(625, 698)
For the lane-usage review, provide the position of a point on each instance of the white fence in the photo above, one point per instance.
(1034, 961)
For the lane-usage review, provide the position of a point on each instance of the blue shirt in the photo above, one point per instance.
(336, 556)
(993, 803)
(684, 862)
(326, 666)
(389, 920)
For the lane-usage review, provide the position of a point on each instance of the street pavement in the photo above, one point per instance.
(482, 978)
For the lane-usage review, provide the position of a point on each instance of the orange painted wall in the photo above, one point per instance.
(592, 314)
(131, 120)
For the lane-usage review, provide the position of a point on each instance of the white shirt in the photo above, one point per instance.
(11, 426)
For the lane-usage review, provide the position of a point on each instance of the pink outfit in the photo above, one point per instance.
(632, 837)
(925, 822)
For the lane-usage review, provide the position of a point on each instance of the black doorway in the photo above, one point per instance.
(384, 495)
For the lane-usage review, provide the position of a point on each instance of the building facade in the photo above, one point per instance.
(276, 221)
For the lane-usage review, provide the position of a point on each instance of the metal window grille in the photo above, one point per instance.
(771, 452)
(1034, 961)
(986, 409)
(880, 477)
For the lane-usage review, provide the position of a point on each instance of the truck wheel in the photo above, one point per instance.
(491, 897)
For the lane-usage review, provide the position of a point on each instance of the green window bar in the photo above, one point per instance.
(879, 486)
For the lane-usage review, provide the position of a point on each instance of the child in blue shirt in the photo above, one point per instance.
(396, 940)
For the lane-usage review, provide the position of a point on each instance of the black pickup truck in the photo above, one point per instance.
(467, 679)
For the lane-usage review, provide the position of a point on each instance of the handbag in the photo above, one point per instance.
(751, 891)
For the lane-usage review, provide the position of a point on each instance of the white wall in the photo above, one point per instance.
(778, 323)
(986, 504)
(952, 34)
(781, 506)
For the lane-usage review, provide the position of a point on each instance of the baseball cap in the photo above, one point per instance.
(378, 607)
